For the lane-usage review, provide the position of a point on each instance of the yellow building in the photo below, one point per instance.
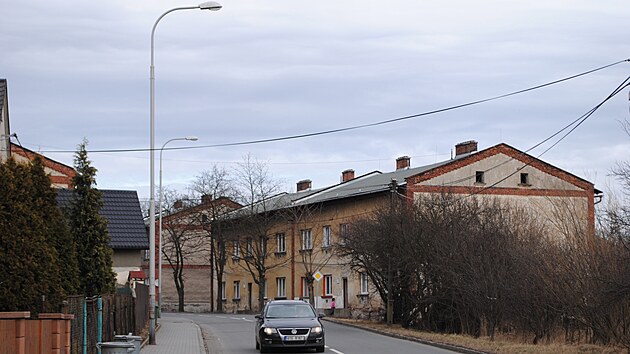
(297, 235)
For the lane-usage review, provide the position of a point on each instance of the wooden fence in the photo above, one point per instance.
(20, 334)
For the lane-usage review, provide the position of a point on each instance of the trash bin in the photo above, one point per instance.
(135, 340)
(116, 347)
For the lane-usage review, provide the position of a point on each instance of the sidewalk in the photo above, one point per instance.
(176, 335)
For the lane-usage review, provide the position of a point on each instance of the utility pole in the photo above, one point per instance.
(390, 286)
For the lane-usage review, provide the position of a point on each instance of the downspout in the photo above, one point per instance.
(292, 260)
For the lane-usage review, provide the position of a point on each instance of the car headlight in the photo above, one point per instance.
(270, 330)
(316, 330)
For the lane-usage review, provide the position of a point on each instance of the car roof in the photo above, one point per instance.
(286, 302)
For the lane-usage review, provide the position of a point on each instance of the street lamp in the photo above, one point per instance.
(213, 6)
(189, 138)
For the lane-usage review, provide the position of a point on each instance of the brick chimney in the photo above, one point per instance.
(303, 185)
(403, 162)
(178, 204)
(465, 147)
(206, 199)
(347, 175)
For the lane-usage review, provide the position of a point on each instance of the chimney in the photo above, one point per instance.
(465, 147)
(347, 175)
(178, 204)
(403, 162)
(206, 199)
(303, 185)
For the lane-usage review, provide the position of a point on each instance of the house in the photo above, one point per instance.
(125, 224)
(187, 246)
(299, 243)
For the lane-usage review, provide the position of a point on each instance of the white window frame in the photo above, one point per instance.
(250, 247)
(328, 285)
(307, 239)
(305, 288)
(326, 236)
(236, 249)
(265, 290)
(364, 281)
(281, 243)
(281, 285)
(237, 290)
(344, 229)
(223, 291)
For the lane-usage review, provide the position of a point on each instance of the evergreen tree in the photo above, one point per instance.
(57, 229)
(29, 272)
(89, 229)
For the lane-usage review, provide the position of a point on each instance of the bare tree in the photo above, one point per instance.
(253, 225)
(217, 192)
(182, 239)
(315, 241)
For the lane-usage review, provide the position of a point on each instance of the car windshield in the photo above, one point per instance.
(290, 311)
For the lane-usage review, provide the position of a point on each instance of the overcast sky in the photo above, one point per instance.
(267, 69)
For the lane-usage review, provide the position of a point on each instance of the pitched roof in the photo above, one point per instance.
(125, 223)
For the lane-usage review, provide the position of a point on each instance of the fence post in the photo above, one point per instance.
(99, 332)
(85, 326)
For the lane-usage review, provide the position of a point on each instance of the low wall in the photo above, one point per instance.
(49, 333)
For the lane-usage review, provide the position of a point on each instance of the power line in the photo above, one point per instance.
(360, 126)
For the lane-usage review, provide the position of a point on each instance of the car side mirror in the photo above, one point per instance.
(320, 315)
(258, 317)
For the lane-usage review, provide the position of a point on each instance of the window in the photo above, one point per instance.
(237, 290)
(236, 249)
(307, 239)
(223, 291)
(147, 255)
(344, 230)
(281, 284)
(525, 179)
(326, 235)
(479, 177)
(265, 290)
(281, 244)
(328, 285)
(250, 248)
(364, 283)
(263, 246)
(223, 250)
(306, 290)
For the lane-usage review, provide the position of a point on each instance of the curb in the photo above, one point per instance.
(446, 346)
(202, 343)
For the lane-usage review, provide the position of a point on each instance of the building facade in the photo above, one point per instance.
(309, 223)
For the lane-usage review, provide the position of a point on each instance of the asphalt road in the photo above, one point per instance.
(234, 334)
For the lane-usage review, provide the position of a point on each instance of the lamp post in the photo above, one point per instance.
(213, 6)
(189, 138)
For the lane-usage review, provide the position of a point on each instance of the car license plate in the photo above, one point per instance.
(292, 338)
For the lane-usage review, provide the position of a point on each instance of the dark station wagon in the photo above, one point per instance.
(289, 324)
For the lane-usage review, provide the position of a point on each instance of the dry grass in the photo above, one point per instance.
(500, 345)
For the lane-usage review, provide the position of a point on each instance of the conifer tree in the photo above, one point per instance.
(29, 272)
(89, 229)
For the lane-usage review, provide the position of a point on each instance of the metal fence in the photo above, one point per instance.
(99, 318)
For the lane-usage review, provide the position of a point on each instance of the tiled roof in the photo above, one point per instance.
(124, 217)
